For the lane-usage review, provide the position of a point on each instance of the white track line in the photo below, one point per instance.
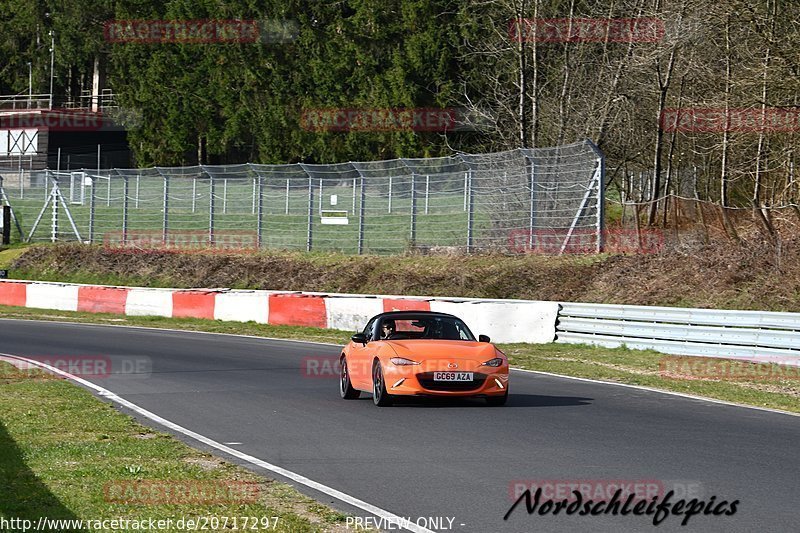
(341, 496)
(551, 374)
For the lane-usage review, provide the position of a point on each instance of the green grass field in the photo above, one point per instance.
(442, 222)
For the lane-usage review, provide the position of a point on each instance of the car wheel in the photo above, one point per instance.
(379, 394)
(346, 389)
(497, 401)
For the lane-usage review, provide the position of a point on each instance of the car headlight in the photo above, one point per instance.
(497, 361)
(402, 361)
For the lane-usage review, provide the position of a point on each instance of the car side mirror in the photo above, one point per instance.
(484, 338)
(359, 338)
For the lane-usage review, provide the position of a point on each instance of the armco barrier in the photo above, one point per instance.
(242, 306)
(502, 320)
(750, 335)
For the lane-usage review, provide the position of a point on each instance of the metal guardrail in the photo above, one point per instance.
(751, 335)
(20, 102)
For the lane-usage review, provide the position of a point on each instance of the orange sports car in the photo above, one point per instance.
(422, 353)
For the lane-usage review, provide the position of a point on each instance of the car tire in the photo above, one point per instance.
(380, 397)
(497, 401)
(346, 389)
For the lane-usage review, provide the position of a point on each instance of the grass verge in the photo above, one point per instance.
(66, 455)
(9, 254)
(779, 389)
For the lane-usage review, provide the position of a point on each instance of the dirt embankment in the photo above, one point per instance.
(753, 275)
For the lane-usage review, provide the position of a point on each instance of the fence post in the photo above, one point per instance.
(92, 202)
(413, 236)
(194, 194)
(287, 196)
(309, 235)
(211, 206)
(6, 213)
(470, 211)
(354, 196)
(532, 215)
(136, 202)
(600, 174)
(601, 207)
(466, 178)
(124, 210)
(427, 191)
(254, 193)
(224, 195)
(320, 196)
(390, 192)
(361, 219)
(54, 199)
(259, 213)
(165, 221)
(4, 196)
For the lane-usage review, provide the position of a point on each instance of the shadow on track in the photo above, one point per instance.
(514, 401)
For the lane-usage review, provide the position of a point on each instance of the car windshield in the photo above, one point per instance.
(424, 327)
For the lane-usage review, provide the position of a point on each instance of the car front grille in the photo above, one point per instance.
(426, 380)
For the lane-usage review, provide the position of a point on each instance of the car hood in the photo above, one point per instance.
(424, 348)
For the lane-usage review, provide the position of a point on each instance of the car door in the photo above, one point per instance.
(359, 360)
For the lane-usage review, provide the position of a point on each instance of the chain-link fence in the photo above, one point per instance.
(547, 199)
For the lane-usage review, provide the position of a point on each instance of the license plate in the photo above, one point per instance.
(452, 376)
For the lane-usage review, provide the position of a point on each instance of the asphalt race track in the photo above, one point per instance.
(445, 459)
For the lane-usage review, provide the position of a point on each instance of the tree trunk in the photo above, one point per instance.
(534, 126)
(564, 97)
(523, 80)
(662, 104)
(723, 186)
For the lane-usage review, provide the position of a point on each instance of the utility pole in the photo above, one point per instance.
(52, 63)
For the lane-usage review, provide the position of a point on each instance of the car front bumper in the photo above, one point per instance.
(408, 381)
